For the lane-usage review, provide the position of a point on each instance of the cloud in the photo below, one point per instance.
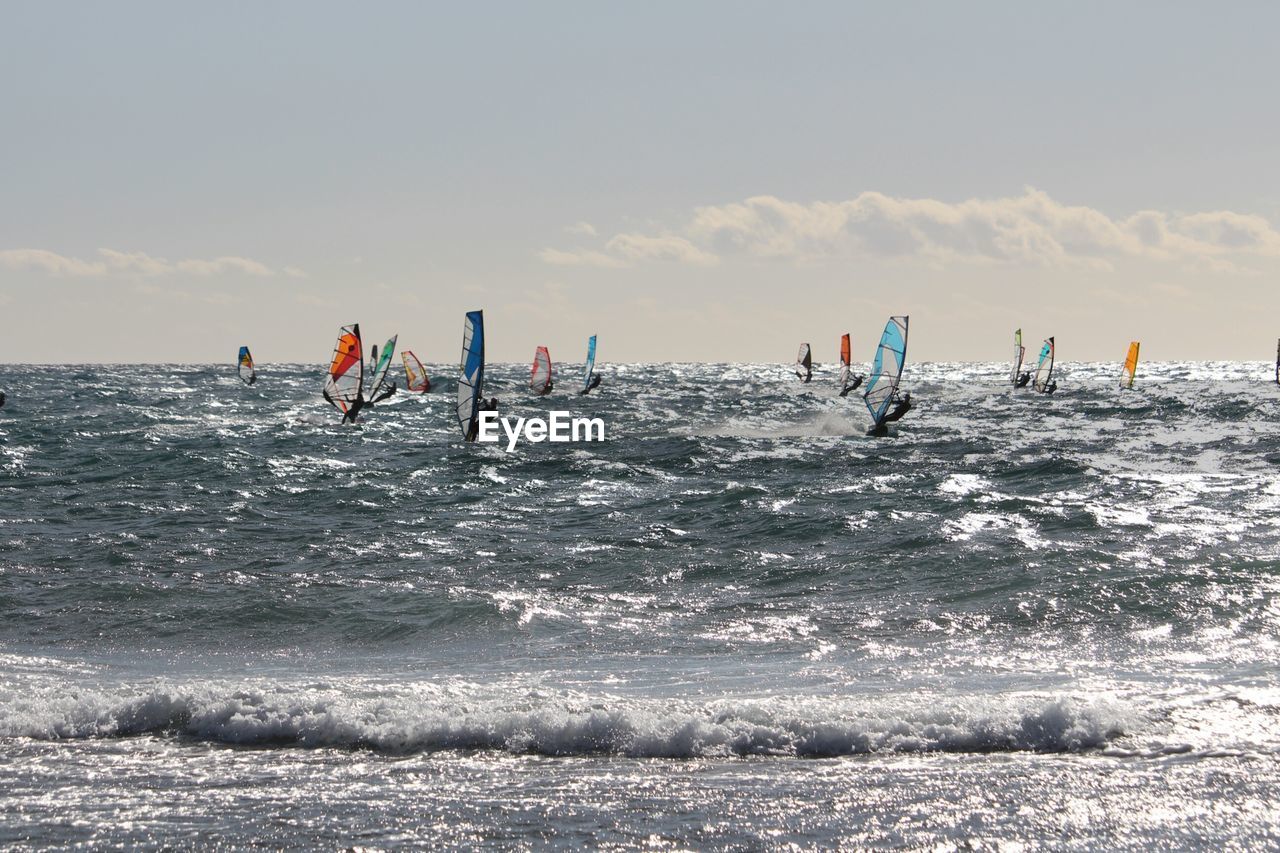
(638, 247)
(111, 262)
(579, 258)
(1031, 229)
(581, 229)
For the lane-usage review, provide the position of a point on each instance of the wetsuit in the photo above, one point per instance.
(384, 395)
(857, 380)
(904, 406)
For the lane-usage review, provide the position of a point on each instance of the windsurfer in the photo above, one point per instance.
(546, 389)
(350, 415)
(1051, 387)
(594, 383)
(853, 383)
(1023, 379)
(904, 406)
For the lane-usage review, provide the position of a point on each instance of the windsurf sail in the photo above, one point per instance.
(1130, 368)
(845, 356)
(1044, 370)
(245, 368)
(1019, 353)
(344, 386)
(379, 386)
(415, 375)
(589, 370)
(886, 369)
(373, 359)
(471, 377)
(540, 380)
(804, 363)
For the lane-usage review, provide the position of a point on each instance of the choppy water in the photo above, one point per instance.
(737, 622)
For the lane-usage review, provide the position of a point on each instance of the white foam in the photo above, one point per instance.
(429, 717)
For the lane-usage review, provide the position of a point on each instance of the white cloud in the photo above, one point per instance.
(581, 229)
(639, 247)
(1030, 229)
(579, 258)
(50, 262)
(111, 262)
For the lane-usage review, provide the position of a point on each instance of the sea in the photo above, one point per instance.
(1022, 621)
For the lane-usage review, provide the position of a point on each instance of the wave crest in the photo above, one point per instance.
(430, 718)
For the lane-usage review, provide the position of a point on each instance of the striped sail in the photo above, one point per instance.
(1044, 369)
(471, 374)
(540, 379)
(415, 375)
(804, 362)
(886, 369)
(344, 384)
(245, 368)
(382, 367)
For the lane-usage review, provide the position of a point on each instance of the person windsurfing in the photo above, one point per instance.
(1023, 379)
(1051, 387)
(2, 398)
(854, 381)
(903, 406)
(546, 389)
(391, 389)
(594, 383)
(483, 405)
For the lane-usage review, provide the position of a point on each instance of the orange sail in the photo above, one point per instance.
(1130, 366)
(844, 348)
(343, 386)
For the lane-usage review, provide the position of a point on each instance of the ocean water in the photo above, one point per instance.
(736, 623)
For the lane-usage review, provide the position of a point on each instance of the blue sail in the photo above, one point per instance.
(471, 378)
(244, 366)
(886, 369)
(1044, 370)
(591, 363)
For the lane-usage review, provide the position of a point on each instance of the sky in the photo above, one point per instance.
(710, 181)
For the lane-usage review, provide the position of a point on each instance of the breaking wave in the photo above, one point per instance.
(425, 719)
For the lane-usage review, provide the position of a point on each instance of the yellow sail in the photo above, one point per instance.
(1130, 366)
